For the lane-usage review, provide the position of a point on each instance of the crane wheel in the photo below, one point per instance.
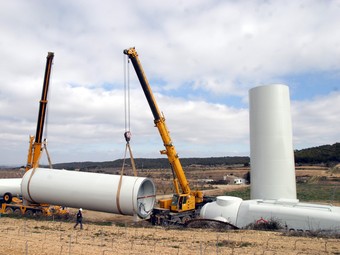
(8, 210)
(185, 219)
(17, 211)
(38, 214)
(8, 197)
(29, 213)
(176, 220)
(165, 223)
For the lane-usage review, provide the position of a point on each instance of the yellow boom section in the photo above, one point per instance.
(35, 143)
(170, 151)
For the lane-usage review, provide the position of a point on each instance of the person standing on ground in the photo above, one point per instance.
(79, 219)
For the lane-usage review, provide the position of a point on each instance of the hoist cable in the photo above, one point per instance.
(47, 154)
(125, 82)
(127, 93)
(127, 114)
(128, 83)
(127, 133)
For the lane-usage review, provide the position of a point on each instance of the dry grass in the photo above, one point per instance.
(27, 236)
(116, 234)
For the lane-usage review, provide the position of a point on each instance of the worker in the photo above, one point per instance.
(79, 219)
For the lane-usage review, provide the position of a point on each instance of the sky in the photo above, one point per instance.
(201, 58)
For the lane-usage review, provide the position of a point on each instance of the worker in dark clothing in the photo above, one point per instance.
(79, 219)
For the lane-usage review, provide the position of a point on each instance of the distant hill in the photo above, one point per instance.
(325, 154)
(149, 163)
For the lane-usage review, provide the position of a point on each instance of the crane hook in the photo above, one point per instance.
(127, 136)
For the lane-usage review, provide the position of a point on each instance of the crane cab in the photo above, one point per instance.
(178, 203)
(182, 202)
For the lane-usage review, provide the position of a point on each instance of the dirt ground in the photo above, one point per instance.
(105, 233)
(29, 236)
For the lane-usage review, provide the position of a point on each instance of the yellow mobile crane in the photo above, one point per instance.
(34, 154)
(35, 143)
(185, 203)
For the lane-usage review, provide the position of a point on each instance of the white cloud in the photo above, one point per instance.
(220, 48)
(315, 122)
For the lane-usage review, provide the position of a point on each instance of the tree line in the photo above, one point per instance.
(155, 163)
(324, 154)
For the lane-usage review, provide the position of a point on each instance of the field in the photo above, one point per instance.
(116, 234)
(28, 236)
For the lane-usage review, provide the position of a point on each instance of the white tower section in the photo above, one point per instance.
(92, 191)
(271, 143)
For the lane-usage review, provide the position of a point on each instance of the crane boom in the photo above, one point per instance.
(186, 199)
(34, 152)
(35, 143)
(159, 122)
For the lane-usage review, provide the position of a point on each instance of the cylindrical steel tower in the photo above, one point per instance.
(93, 191)
(271, 144)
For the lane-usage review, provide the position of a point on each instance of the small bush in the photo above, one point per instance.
(265, 225)
(314, 233)
(233, 244)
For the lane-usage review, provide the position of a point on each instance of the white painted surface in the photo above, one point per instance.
(224, 209)
(297, 216)
(273, 186)
(271, 143)
(91, 191)
(11, 185)
(290, 213)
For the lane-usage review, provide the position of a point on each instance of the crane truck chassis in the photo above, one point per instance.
(165, 217)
